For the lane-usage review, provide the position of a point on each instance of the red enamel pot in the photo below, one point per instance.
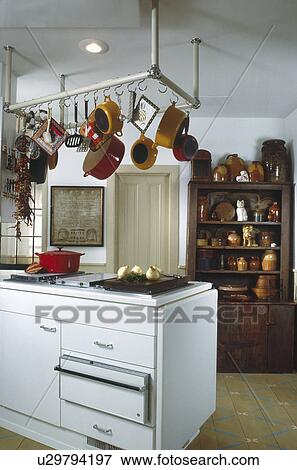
(105, 161)
(185, 146)
(60, 261)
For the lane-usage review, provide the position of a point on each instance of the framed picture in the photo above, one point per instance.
(77, 216)
(144, 114)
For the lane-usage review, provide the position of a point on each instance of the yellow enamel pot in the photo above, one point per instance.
(144, 153)
(107, 117)
(171, 126)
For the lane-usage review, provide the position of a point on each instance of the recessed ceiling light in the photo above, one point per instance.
(94, 46)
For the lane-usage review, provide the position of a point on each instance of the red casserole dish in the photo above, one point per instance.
(59, 261)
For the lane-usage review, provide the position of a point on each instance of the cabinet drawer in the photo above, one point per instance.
(110, 344)
(103, 387)
(109, 429)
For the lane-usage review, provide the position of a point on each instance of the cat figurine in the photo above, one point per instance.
(241, 212)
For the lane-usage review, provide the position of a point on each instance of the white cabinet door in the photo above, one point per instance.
(29, 352)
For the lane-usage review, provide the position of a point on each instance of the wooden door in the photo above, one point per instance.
(242, 338)
(281, 338)
(143, 220)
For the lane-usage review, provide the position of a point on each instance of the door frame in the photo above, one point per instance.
(172, 171)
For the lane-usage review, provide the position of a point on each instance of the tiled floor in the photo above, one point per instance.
(253, 412)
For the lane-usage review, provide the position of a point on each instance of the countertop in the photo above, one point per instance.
(94, 293)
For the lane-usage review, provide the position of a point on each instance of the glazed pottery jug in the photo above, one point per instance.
(277, 165)
(274, 213)
(269, 261)
(220, 173)
(254, 263)
(235, 165)
(242, 264)
(231, 263)
(256, 172)
(234, 239)
(265, 239)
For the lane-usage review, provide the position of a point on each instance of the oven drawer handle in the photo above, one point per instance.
(105, 431)
(100, 379)
(104, 345)
(47, 328)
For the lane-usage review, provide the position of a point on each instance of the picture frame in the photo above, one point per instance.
(77, 216)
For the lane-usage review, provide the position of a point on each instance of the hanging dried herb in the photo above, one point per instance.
(23, 212)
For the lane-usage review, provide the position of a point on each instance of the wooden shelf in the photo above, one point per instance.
(235, 222)
(238, 248)
(229, 271)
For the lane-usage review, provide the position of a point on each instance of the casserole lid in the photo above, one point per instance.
(60, 252)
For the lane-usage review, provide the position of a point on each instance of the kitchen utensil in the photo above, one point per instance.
(107, 117)
(144, 113)
(220, 174)
(146, 287)
(58, 136)
(22, 142)
(269, 261)
(60, 261)
(94, 157)
(93, 133)
(108, 160)
(38, 168)
(242, 264)
(267, 281)
(74, 140)
(144, 153)
(52, 160)
(254, 263)
(256, 172)
(46, 134)
(265, 294)
(234, 239)
(235, 165)
(171, 126)
(131, 106)
(225, 211)
(185, 146)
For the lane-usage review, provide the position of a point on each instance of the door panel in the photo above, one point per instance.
(281, 332)
(143, 220)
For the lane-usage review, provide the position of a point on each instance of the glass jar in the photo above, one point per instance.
(276, 162)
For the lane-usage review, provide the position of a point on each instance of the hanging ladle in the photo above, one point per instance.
(74, 140)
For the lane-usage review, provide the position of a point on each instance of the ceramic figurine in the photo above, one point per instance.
(248, 235)
(243, 177)
(241, 212)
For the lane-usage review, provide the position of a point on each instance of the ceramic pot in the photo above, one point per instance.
(107, 117)
(220, 173)
(256, 172)
(269, 261)
(144, 153)
(172, 124)
(235, 165)
(242, 264)
(267, 282)
(277, 165)
(234, 239)
(231, 263)
(274, 214)
(254, 263)
(265, 239)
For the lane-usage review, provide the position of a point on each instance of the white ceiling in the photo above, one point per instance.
(242, 73)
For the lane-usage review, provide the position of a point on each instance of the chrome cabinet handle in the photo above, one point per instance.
(46, 328)
(103, 345)
(105, 431)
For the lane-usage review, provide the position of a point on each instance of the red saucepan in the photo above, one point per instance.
(59, 261)
(102, 163)
(185, 146)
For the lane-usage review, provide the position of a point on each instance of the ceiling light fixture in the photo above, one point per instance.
(93, 46)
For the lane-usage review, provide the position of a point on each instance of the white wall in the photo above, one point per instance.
(221, 136)
(291, 138)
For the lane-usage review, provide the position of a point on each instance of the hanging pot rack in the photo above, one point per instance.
(155, 73)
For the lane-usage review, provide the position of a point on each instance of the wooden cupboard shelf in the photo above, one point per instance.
(251, 248)
(230, 271)
(235, 222)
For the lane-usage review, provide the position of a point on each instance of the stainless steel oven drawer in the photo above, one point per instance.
(115, 390)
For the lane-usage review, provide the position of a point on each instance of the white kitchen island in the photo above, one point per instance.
(87, 368)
